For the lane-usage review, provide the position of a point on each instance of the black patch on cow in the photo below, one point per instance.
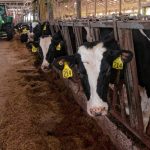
(142, 56)
(83, 76)
(53, 52)
(37, 32)
(46, 32)
(73, 40)
(103, 79)
(90, 45)
(24, 38)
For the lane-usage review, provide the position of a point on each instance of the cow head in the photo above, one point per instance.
(45, 27)
(94, 61)
(24, 28)
(37, 30)
(55, 48)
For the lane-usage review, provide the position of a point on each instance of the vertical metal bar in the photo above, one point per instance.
(95, 3)
(139, 7)
(34, 9)
(50, 10)
(122, 103)
(78, 8)
(52, 30)
(38, 8)
(97, 34)
(86, 8)
(126, 42)
(68, 41)
(106, 6)
(120, 7)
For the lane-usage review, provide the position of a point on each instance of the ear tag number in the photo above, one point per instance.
(44, 28)
(34, 49)
(118, 63)
(67, 71)
(58, 47)
(24, 31)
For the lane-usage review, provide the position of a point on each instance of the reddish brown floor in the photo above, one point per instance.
(37, 115)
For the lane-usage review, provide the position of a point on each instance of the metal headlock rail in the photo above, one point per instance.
(123, 34)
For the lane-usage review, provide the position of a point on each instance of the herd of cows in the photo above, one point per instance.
(97, 62)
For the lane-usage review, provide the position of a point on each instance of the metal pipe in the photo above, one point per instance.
(106, 5)
(95, 3)
(139, 7)
(78, 8)
(38, 9)
(34, 9)
(120, 7)
(86, 8)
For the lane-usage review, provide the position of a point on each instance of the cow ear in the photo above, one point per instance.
(126, 56)
(60, 62)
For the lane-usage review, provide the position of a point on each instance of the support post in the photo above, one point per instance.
(106, 6)
(120, 7)
(139, 7)
(86, 8)
(78, 8)
(50, 10)
(95, 3)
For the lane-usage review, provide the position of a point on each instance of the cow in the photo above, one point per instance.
(141, 42)
(27, 34)
(24, 29)
(94, 61)
(42, 38)
(56, 49)
(141, 39)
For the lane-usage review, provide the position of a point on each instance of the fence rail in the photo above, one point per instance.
(123, 34)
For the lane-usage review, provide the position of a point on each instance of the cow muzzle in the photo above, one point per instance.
(45, 67)
(94, 110)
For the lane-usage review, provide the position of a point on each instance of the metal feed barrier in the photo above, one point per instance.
(123, 34)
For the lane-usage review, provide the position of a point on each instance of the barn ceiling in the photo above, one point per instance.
(19, 6)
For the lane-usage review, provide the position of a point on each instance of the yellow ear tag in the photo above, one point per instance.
(34, 49)
(67, 71)
(24, 31)
(118, 63)
(44, 28)
(58, 47)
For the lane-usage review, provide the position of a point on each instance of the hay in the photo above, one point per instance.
(37, 115)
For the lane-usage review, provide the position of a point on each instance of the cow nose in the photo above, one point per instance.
(98, 111)
(98, 114)
(44, 68)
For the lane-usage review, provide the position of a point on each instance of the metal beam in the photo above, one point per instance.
(78, 7)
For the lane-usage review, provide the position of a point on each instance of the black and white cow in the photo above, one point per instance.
(23, 30)
(42, 34)
(141, 40)
(94, 61)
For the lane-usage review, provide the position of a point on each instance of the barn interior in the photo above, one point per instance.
(40, 107)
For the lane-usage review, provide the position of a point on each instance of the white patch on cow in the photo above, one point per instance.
(91, 59)
(142, 32)
(88, 36)
(30, 36)
(34, 24)
(145, 105)
(44, 44)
